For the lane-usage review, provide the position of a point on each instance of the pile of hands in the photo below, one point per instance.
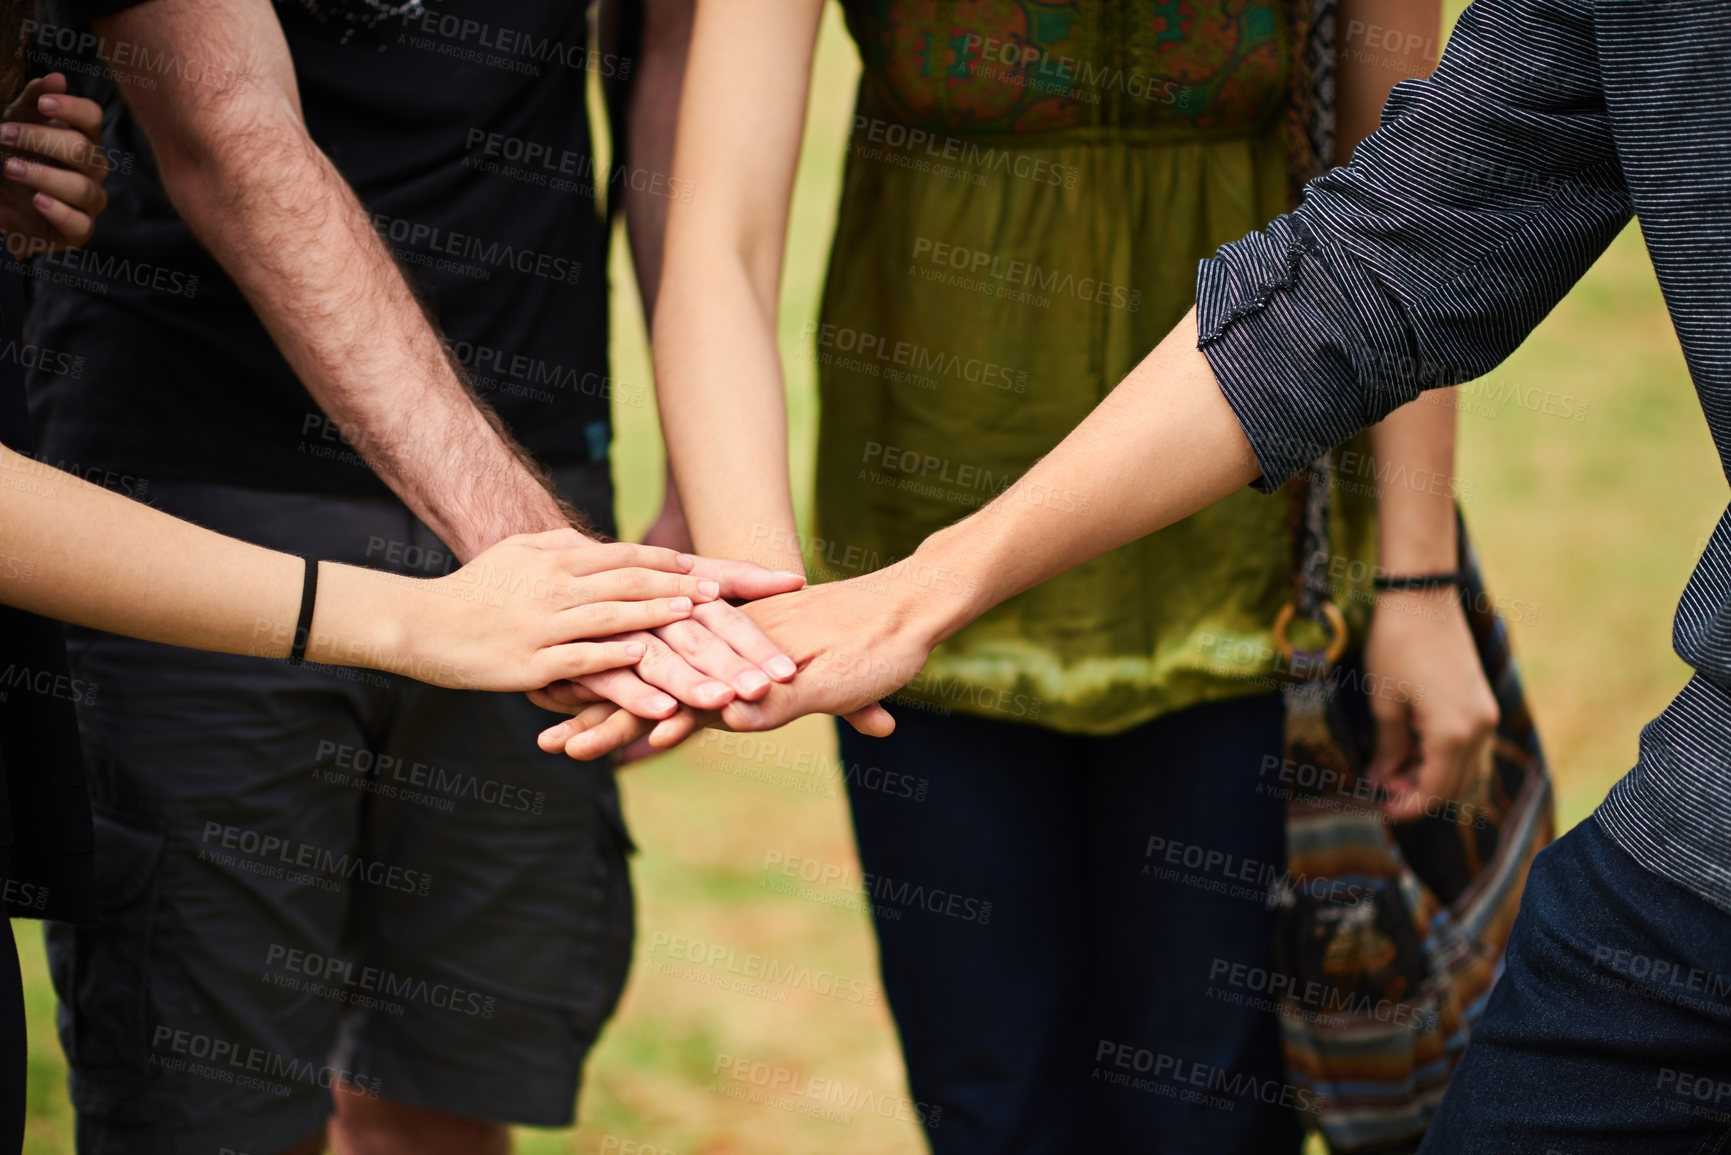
(643, 646)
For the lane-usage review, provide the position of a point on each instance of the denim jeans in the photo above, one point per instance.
(1609, 1032)
(1070, 929)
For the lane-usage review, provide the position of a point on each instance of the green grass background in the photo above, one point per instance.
(1596, 523)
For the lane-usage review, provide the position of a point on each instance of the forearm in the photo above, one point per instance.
(1413, 453)
(717, 367)
(724, 414)
(301, 247)
(81, 554)
(1161, 446)
(651, 121)
(235, 158)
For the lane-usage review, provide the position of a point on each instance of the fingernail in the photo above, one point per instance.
(781, 666)
(660, 702)
(49, 104)
(687, 560)
(680, 605)
(16, 167)
(709, 589)
(8, 134)
(714, 690)
(751, 682)
(42, 201)
(634, 650)
(787, 573)
(554, 733)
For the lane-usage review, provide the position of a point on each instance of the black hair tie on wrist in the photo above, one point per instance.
(304, 626)
(1427, 581)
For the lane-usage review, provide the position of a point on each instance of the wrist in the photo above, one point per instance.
(364, 617)
(939, 588)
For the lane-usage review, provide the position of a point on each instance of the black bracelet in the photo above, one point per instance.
(304, 627)
(1427, 581)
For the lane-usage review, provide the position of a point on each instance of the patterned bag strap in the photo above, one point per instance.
(1310, 124)
(1309, 131)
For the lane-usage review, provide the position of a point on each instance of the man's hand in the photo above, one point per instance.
(55, 166)
(1435, 713)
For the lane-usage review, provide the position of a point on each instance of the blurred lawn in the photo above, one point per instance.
(1591, 525)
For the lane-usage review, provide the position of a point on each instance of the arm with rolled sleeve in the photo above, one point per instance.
(1487, 193)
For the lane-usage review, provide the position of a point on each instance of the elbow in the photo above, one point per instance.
(219, 157)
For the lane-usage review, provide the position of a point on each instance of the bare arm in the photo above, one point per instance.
(653, 118)
(718, 372)
(237, 162)
(508, 620)
(1396, 275)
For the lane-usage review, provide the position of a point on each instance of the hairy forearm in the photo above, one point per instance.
(284, 225)
(1161, 446)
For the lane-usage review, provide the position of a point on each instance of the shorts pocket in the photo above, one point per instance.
(102, 972)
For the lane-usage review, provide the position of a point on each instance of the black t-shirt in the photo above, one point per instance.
(462, 127)
(46, 848)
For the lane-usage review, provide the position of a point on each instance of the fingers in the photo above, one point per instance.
(602, 619)
(625, 688)
(745, 581)
(563, 697)
(1452, 751)
(579, 658)
(63, 146)
(77, 112)
(747, 639)
(662, 666)
(636, 583)
(69, 224)
(26, 105)
(595, 557)
(597, 731)
(670, 732)
(1394, 746)
(777, 708)
(706, 652)
(70, 188)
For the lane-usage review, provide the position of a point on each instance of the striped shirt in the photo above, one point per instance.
(1489, 190)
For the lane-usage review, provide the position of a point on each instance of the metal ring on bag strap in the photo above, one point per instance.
(1336, 626)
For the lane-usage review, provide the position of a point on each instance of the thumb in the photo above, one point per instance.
(873, 721)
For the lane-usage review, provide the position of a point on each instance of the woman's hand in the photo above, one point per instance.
(55, 165)
(854, 642)
(517, 617)
(1435, 713)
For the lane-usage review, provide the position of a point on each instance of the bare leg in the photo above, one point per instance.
(313, 1146)
(366, 1126)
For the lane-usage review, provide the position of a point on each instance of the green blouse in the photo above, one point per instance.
(1029, 188)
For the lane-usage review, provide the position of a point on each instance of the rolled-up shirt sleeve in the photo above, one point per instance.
(1488, 191)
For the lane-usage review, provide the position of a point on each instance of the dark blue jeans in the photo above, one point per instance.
(1071, 927)
(1610, 1030)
